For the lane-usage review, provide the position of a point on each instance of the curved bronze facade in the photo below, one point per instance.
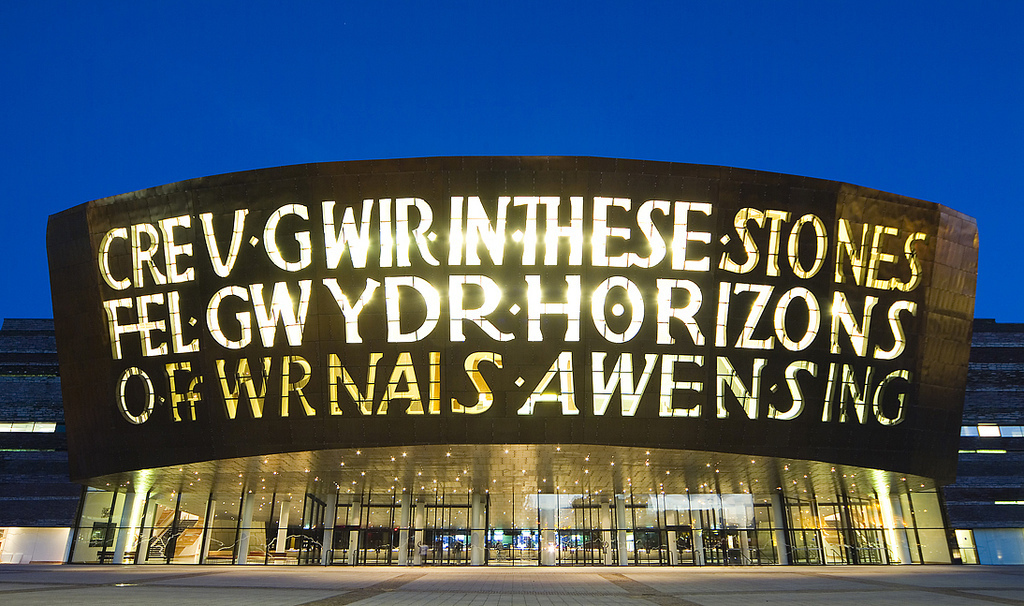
(519, 300)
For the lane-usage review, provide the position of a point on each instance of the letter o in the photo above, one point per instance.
(122, 406)
(813, 318)
(636, 302)
(820, 241)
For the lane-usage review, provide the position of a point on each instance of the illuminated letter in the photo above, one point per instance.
(484, 397)
(794, 390)
(434, 380)
(147, 326)
(104, 259)
(357, 242)
(813, 318)
(116, 329)
(728, 379)
(899, 340)
(281, 310)
(666, 312)
(743, 216)
(172, 250)
(122, 405)
(288, 386)
(880, 392)
(842, 314)
(351, 312)
(456, 238)
(244, 318)
(820, 246)
(337, 371)
(621, 377)
(431, 298)
(601, 233)
(387, 241)
(570, 309)
(566, 397)
(910, 252)
(334, 372)
(724, 291)
(144, 256)
(830, 391)
(191, 396)
(857, 396)
(403, 370)
(302, 238)
(650, 231)
(530, 228)
(746, 339)
(402, 226)
(174, 310)
(457, 313)
(636, 305)
(243, 377)
(670, 385)
(877, 257)
(681, 234)
(553, 231)
(775, 219)
(845, 244)
(223, 268)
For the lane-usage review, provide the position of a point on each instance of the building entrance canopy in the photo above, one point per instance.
(514, 469)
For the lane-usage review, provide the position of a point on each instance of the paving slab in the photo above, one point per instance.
(510, 586)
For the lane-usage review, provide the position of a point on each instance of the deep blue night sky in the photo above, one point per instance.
(923, 99)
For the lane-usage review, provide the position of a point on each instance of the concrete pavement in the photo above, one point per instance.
(496, 586)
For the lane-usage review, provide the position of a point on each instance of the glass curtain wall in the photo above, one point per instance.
(512, 529)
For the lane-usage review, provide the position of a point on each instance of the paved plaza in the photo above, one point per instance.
(366, 586)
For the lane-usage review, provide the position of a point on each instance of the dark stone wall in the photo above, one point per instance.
(34, 485)
(995, 394)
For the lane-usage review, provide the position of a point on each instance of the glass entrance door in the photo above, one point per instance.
(580, 547)
(309, 539)
(513, 547)
(681, 536)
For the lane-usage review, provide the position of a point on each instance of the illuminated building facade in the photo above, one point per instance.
(512, 361)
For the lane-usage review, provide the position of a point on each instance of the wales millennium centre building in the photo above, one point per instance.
(512, 361)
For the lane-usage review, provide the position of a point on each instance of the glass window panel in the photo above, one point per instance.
(185, 542)
(738, 510)
(157, 529)
(222, 530)
(802, 516)
(380, 516)
(645, 511)
(97, 528)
